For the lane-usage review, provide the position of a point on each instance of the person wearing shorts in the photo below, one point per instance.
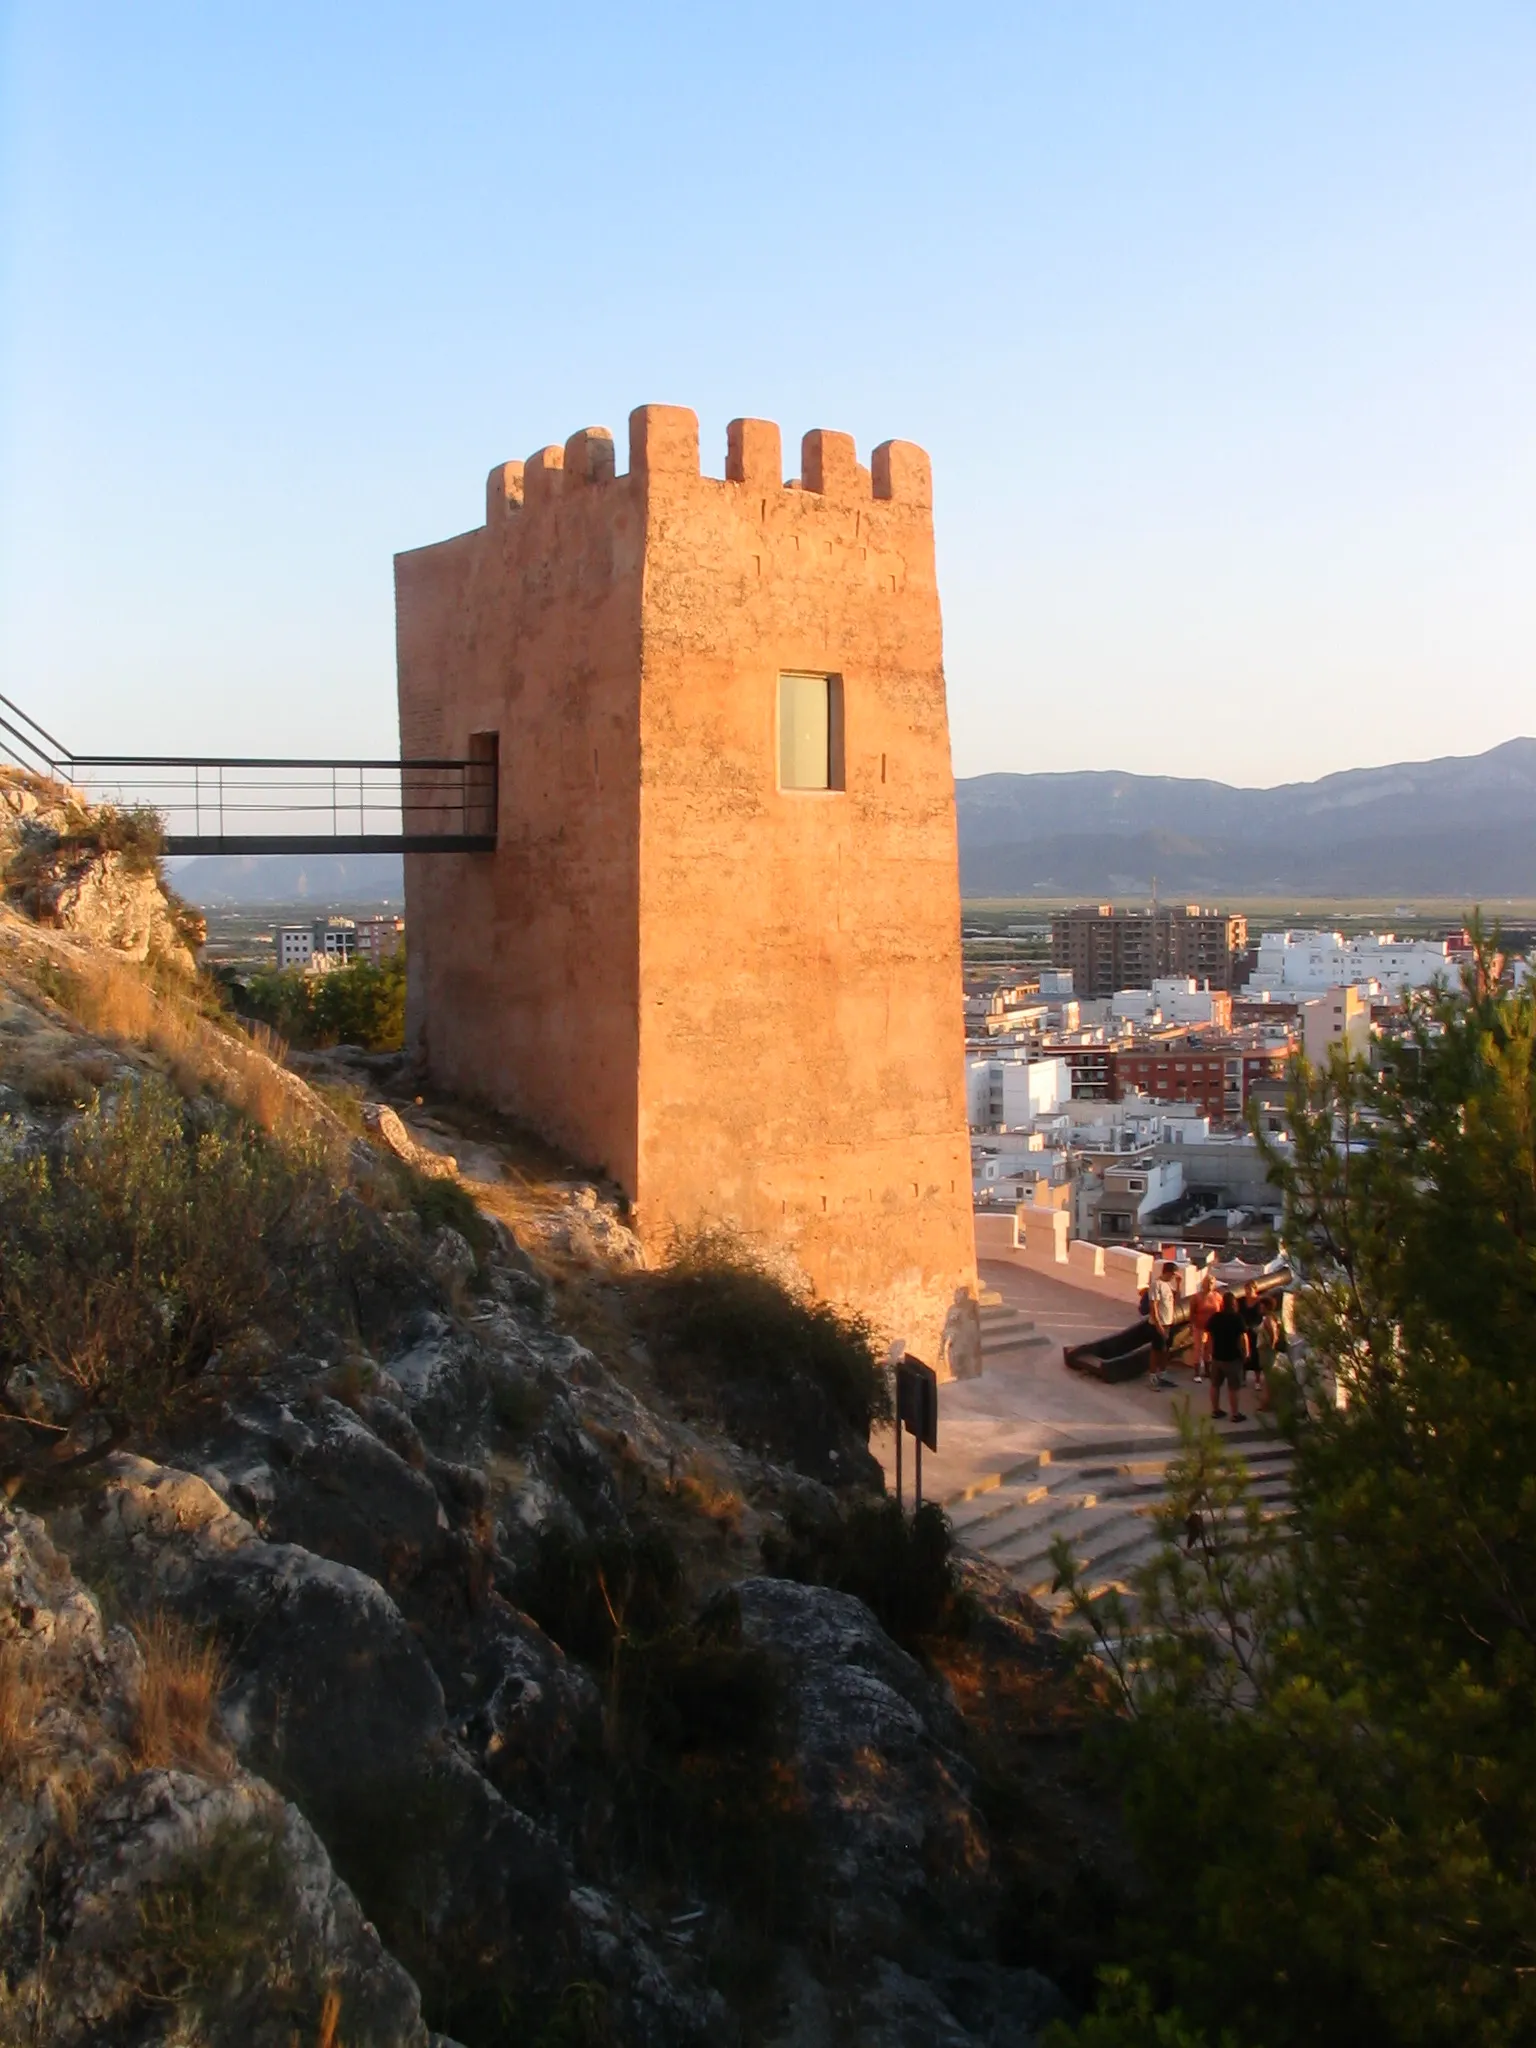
(1165, 1306)
(1207, 1300)
(1229, 1353)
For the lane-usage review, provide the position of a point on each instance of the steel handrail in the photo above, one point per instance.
(416, 789)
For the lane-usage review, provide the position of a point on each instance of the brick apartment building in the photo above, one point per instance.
(1212, 1069)
(1109, 948)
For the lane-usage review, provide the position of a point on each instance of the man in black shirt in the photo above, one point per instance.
(1229, 1350)
(1251, 1309)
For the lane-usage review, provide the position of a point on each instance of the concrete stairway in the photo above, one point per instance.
(1100, 1495)
(1006, 1333)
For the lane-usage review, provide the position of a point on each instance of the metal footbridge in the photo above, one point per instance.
(255, 804)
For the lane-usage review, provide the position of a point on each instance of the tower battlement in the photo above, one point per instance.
(716, 950)
(664, 442)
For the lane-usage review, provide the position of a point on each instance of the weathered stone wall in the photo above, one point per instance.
(743, 1002)
(522, 965)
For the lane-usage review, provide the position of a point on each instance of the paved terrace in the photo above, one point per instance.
(1030, 1403)
(1031, 1452)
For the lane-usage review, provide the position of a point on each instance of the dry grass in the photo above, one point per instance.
(52, 1082)
(113, 1001)
(119, 1001)
(175, 1725)
(31, 1754)
(25, 1752)
(700, 1491)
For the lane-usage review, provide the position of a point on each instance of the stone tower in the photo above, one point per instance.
(716, 952)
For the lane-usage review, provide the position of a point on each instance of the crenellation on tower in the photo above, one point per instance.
(543, 475)
(901, 474)
(664, 443)
(754, 454)
(664, 439)
(589, 457)
(503, 492)
(829, 464)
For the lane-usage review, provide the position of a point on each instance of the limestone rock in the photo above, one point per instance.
(877, 1746)
(590, 1231)
(658, 2011)
(535, 1711)
(42, 1393)
(316, 1474)
(137, 1903)
(168, 1850)
(387, 1127)
(452, 1259)
(899, 2011)
(59, 864)
(332, 1693)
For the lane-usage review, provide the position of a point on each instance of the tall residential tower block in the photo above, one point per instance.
(716, 952)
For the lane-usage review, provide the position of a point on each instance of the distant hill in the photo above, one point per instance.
(1464, 825)
(221, 881)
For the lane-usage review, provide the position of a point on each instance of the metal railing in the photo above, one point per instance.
(253, 804)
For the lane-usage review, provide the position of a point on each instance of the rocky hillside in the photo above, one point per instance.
(418, 1621)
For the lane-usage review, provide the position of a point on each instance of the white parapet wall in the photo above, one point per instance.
(1040, 1239)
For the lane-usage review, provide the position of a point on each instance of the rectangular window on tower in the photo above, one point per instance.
(810, 732)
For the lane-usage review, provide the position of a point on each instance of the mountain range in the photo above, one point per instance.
(227, 881)
(1463, 825)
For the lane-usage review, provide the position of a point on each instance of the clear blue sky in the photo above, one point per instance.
(1218, 320)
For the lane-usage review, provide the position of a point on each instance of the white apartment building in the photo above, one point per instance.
(1015, 1166)
(329, 939)
(1341, 1017)
(1295, 963)
(1168, 1001)
(1131, 1190)
(1010, 1094)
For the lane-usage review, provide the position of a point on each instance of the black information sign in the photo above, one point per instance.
(917, 1411)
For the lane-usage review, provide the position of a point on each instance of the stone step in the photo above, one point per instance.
(1053, 1469)
(1102, 1496)
(997, 1344)
(1017, 1507)
(1032, 1537)
(1100, 1563)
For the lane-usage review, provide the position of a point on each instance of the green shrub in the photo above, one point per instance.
(147, 1236)
(583, 2018)
(592, 1592)
(798, 1379)
(1326, 1722)
(437, 1202)
(211, 1939)
(518, 1403)
(135, 832)
(707, 1798)
(902, 1567)
(355, 1005)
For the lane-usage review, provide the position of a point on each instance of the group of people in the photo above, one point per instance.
(1232, 1335)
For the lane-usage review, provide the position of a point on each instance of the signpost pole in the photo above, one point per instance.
(917, 1409)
